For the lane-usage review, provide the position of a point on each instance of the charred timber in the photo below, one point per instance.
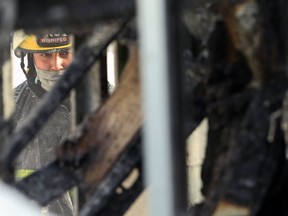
(109, 130)
(245, 92)
(105, 197)
(42, 188)
(73, 15)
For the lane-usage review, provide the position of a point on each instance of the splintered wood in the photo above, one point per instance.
(107, 132)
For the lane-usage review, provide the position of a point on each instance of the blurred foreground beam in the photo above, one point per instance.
(76, 15)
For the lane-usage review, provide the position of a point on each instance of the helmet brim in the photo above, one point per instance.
(30, 45)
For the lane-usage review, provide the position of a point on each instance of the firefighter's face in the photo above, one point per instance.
(56, 61)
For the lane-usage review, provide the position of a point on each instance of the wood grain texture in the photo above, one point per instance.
(108, 131)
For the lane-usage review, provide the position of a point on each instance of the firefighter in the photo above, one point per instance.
(44, 58)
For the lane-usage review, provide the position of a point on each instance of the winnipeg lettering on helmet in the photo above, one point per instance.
(52, 40)
(41, 43)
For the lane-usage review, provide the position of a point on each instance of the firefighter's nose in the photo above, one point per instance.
(57, 63)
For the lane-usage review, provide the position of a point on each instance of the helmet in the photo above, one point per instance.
(46, 43)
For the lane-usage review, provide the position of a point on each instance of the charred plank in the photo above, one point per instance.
(72, 15)
(105, 195)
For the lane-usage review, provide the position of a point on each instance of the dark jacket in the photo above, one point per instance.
(42, 148)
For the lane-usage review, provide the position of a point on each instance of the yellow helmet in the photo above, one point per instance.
(40, 43)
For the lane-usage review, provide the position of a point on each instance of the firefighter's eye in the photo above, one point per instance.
(45, 54)
(64, 54)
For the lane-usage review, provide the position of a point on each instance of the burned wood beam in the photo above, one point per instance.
(41, 187)
(248, 23)
(106, 190)
(74, 15)
(245, 144)
(85, 58)
(7, 19)
(120, 203)
(196, 4)
(68, 14)
(108, 131)
(248, 152)
(50, 182)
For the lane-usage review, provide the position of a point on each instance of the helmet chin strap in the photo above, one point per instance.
(22, 64)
